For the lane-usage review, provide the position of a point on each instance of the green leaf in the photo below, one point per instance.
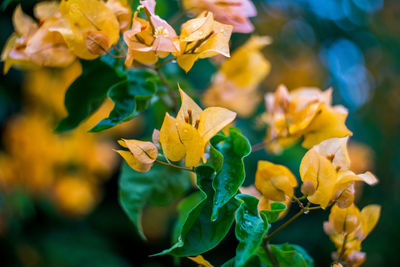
(199, 234)
(159, 186)
(215, 159)
(130, 97)
(226, 184)
(254, 261)
(87, 93)
(287, 256)
(250, 229)
(184, 208)
(274, 212)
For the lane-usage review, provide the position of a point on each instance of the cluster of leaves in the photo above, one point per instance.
(205, 217)
(132, 91)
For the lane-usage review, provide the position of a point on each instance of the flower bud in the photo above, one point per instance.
(97, 42)
(308, 188)
(345, 198)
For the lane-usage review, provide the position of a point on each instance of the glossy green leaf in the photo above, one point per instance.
(184, 208)
(159, 186)
(251, 227)
(287, 256)
(87, 93)
(274, 212)
(130, 97)
(226, 184)
(215, 159)
(199, 234)
(254, 261)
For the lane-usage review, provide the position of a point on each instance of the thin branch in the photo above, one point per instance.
(174, 166)
(268, 238)
(258, 146)
(263, 144)
(305, 210)
(270, 254)
(171, 91)
(165, 63)
(343, 248)
(314, 208)
(298, 202)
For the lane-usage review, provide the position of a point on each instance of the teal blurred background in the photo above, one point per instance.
(350, 45)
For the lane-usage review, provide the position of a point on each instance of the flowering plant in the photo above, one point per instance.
(198, 156)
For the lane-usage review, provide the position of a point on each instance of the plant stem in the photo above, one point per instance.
(165, 63)
(268, 238)
(174, 166)
(304, 209)
(343, 248)
(171, 91)
(298, 202)
(258, 146)
(262, 145)
(270, 254)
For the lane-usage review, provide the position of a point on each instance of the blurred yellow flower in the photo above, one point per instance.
(88, 27)
(202, 37)
(325, 169)
(248, 67)
(235, 84)
(274, 181)
(45, 88)
(304, 112)
(188, 134)
(35, 45)
(75, 196)
(122, 12)
(347, 228)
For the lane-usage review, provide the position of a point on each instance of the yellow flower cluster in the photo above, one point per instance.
(347, 228)
(185, 136)
(200, 37)
(327, 180)
(66, 30)
(89, 29)
(303, 113)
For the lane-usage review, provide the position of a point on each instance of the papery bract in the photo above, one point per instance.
(188, 134)
(122, 12)
(304, 112)
(140, 156)
(202, 37)
(325, 167)
(149, 39)
(34, 45)
(88, 27)
(274, 181)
